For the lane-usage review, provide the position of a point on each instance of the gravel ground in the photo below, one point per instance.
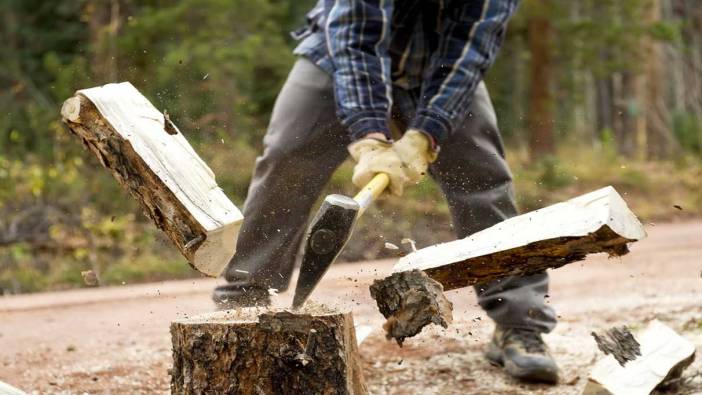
(116, 340)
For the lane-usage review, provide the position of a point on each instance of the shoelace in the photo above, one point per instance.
(530, 339)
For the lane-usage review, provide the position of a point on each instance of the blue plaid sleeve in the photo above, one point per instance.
(471, 34)
(358, 37)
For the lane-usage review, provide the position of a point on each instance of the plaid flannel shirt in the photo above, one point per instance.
(440, 47)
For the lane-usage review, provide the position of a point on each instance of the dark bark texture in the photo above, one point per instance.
(530, 259)
(240, 352)
(410, 301)
(130, 171)
(619, 342)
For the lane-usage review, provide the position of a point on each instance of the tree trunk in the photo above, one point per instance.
(692, 12)
(629, 115)
(540, 118)
(603, 105)
(245, 351)
(104, 24)
(659, 136)
(150, 158)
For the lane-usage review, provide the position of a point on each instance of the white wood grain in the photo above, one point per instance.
(177, 165)
(576, 217)
(7, 389)
(661, 350)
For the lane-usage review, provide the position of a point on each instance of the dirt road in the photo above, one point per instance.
(116, 340)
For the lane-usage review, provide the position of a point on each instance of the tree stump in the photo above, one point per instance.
(254, 351)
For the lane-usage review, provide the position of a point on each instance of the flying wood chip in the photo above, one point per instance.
(618, 342)
(410, 301)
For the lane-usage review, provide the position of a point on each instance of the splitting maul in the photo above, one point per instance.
(328, 233)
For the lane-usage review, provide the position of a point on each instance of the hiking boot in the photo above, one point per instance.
(233, 296)
(523, 354)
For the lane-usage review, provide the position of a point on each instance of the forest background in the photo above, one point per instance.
(588, 93)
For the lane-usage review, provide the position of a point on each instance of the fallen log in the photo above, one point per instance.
(251, 351)
(551, 237)
(664, 356)
(547, 238)
(150, 158)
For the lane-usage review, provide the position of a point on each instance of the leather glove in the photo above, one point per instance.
(416, 153)
(373, 156)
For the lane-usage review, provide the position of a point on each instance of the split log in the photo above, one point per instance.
(250, 351)
(150, 158)
(664, 356)
(410, 301)
(551, 237)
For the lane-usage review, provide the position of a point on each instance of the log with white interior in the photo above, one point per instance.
(150, 158)
(252, 351)
(550, 237)
(664, 356)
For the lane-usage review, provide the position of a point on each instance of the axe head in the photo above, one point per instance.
(327, 235)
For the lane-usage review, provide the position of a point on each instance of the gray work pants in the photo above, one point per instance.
(305, 143)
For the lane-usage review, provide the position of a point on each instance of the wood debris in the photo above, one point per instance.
(89, 278)
(619, 343)
(410, 301)
(664, 356)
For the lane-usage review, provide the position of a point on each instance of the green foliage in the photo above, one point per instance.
(688, 131)
(217, 66)
(551, 173)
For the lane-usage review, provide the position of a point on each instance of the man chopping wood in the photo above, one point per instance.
(398, 85)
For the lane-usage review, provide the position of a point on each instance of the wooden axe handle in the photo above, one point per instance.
(371, 191)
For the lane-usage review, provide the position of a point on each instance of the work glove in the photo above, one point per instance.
(416, 153)
(374, 156)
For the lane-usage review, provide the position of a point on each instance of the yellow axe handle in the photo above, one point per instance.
(371, 191)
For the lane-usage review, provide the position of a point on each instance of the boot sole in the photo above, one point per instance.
(494, 356)
(531, 375)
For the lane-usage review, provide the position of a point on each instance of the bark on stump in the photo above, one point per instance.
(253, 351)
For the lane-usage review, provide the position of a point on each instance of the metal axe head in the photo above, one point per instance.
(327, 234)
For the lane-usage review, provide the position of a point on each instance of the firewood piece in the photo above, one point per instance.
(664, 356)
(151, 159)
(410, 301)
(253, 351)
(7, 389)
(618, 342)
(550, 237)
